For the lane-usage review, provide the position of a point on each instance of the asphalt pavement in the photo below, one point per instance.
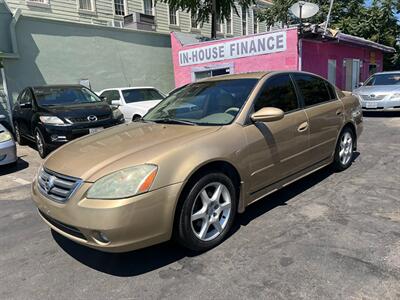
(327, 236)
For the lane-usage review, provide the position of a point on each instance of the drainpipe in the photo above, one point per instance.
(13, 34)
(14, 54)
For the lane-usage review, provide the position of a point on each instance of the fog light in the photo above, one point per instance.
(100, 237)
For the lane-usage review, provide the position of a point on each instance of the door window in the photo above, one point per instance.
(277, 92)
(26, 97)
(313, 89)
(110, 96)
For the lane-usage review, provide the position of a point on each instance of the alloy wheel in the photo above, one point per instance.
(210, 212)
(346, 148)
(39, 143)
(17, 133)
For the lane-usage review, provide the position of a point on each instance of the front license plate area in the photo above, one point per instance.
(371, 104)
(96, 129)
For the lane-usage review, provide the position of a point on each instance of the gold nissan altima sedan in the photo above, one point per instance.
(196, 160)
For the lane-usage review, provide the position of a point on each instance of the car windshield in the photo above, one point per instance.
(138, 95)
(384, 79)
(60, 96)
(204, 103)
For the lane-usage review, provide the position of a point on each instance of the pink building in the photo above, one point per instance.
(343, 59)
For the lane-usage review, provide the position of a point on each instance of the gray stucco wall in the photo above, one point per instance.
(53, 52)
(5, 19)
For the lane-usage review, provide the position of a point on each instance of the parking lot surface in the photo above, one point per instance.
(327, 236)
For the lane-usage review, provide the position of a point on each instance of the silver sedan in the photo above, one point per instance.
(380, 92)
(8, 150)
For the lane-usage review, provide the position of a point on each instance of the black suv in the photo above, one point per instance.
(54, 115)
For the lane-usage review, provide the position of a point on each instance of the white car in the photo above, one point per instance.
(8, 149)
(133, 102)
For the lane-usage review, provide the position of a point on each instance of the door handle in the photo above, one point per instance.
(339, 112)
(302, 127)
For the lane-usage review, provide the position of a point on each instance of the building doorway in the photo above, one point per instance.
(352, 73)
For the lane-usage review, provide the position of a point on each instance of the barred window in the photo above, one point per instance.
(148, 7)
(85, 4)
(119, 7)
(229, 24)
(194, 23)
(244, 21)
(173, 17)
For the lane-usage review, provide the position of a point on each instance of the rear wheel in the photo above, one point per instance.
(207, 213)
(136, 118)
(41, 144)
(344, 150)
(20, 140)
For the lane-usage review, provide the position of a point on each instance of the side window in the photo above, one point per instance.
(110, 95)
(331, 90)
(22, 98)
(313, 89)
(277, 92)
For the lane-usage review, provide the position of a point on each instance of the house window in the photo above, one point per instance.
(228, 23)
(193, 21)
(119, 7)
(173, 17)
(86, 5)
(256, 27)
(244, 21)
(219, 26)
(148, 7)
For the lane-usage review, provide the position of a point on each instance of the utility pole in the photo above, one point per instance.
(328, 17)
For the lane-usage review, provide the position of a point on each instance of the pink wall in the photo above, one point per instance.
(286, 60)
(316, 54)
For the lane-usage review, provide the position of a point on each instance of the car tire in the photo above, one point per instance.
(344, 151)
(17, 133)
(136, 118)
(207, 212)
(41, 145)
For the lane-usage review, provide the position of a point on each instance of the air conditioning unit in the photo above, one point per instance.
(140, 21)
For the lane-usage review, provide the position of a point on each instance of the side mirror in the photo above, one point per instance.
(103, 98)
(116, 102)
(267, 114)
(360, 84)
(26, 105)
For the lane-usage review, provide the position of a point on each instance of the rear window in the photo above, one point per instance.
(138, 95)
(313, 89)
(54, 96)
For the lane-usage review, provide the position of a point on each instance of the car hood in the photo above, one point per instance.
(78, 110)
(378, 89)
(120, 147)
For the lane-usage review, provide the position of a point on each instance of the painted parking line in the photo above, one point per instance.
(22, 181)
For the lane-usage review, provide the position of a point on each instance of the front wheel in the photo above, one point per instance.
(208, 212)
(136, 118)
(41, 144)
(344, 152)
(17, 131)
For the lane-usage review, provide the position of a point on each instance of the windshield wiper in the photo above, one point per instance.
(174, 121)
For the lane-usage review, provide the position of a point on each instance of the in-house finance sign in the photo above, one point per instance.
(256, 45)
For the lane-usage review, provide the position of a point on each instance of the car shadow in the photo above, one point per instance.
(149, 259)
(21, 164)
(381, 114)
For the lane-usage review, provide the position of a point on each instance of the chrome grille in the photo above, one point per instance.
(85, 119)
(57, 187)
(372, 97)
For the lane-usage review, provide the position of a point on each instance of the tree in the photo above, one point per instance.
(377, 22)
(203, 9)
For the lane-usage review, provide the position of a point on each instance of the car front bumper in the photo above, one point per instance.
(8, 152)
(380, 105)
(56, 136)
(127, 224)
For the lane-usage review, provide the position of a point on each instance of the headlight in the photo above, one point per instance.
(117, 114)
(395, 96)
(52, 120)
(124, 183)
(5, 136)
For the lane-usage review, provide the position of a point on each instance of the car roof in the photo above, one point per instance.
(130, 88)
(56, 86)
(387, 72)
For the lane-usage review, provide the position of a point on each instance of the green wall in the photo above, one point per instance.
(54, 52)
